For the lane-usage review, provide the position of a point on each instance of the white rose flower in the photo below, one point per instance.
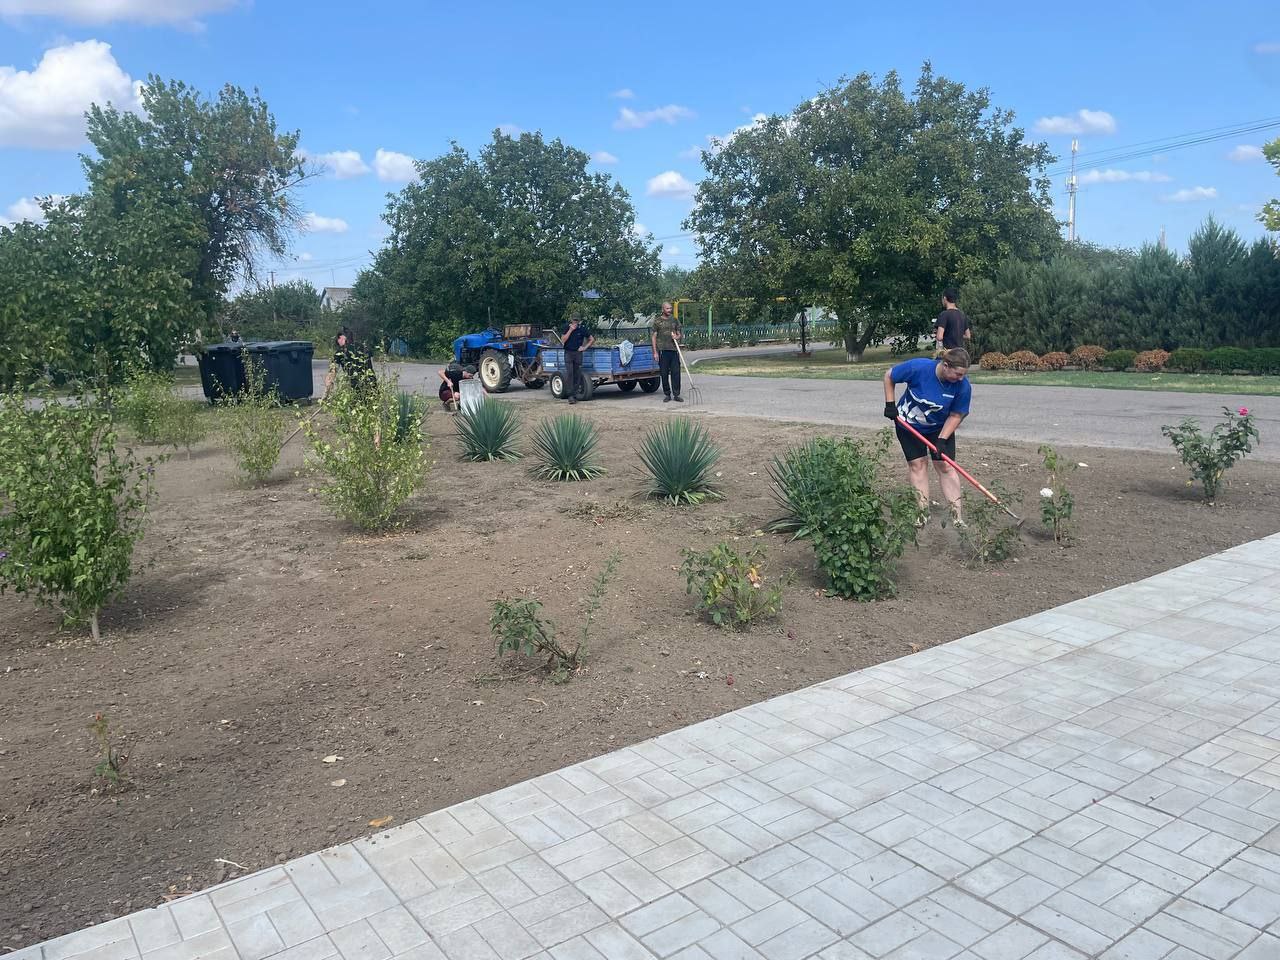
(1046, 492)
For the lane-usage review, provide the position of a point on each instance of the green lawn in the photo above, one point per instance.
(831, 365)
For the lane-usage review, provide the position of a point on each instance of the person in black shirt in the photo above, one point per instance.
(576, 340)
(450, 377)
(952, 329)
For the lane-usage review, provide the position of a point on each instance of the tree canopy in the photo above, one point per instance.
(1270, 215)
(870, 200)
(517, 233)
(179, 201)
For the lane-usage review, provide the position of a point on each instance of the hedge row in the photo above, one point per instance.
(1258, 360)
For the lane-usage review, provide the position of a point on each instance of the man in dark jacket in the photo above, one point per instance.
(576, 341)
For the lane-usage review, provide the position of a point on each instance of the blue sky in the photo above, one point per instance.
(641, 86)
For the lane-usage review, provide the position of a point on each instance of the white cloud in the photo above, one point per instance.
(639, 230)
(509, 130)
(340, 164)
(1082, 121)
(305, 257)
(45, 107)
(1266, 48)
(25, 208)
(314, 223)
(1245, 152)
(716, 144)
(670, 184)
(394, 167)
(629, 119)
(693, 153)
(1191, 194)
(110, 11)
(1124, 176)
(626, 93)
(604, 156)
(671, 251)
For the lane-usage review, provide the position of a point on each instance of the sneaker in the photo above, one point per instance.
(957, 521)
(666, 399)
(922, 519)
(678, 399)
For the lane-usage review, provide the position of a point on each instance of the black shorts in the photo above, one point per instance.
(913, 447)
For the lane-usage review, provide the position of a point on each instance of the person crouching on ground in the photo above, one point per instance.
(450, 378)
(935, 400)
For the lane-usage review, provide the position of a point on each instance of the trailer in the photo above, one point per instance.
(602, 366)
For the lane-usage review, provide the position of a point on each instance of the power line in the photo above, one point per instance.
(1147, 148)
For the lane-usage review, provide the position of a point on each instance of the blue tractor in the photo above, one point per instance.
(500, 357)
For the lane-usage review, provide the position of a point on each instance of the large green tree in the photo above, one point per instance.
(516, 233)
(869, 200)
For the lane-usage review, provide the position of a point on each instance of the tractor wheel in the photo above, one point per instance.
(495, 371)
(558, 386)
(535, 384)
(626, 386)
(650, 385)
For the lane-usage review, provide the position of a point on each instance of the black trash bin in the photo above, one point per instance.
(288, 366)
(222, 370)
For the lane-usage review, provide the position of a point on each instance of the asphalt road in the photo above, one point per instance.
(1063, 416)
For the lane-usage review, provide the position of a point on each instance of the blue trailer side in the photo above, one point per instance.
(603, 365)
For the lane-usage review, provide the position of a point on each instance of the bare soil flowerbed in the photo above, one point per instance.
(264, 637)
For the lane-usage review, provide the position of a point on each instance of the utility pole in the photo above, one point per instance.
(1163, 242)
(1071, 193)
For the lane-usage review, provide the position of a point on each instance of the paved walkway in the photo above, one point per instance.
(1099, 780)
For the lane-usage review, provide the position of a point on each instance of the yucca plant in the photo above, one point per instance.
(797, 485)
(564, 449)
(488, 432)
(679, 456)
(409, 411)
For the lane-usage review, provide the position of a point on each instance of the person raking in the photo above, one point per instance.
(935, 400)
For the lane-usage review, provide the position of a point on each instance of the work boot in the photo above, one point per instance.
(678, 399)
(667, 398)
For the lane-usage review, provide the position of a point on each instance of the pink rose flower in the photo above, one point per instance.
(1243, 411)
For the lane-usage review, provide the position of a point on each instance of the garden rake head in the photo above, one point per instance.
(695, 395)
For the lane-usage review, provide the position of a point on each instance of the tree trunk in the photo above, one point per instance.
(853, 347)
(93, 626)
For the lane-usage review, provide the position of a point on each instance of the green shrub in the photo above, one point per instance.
(488, 432)
(1265, 360)
(1117, 360)
(253, 426)
(1088, 356)
(1209, 458)
(731, 588)
(1023, 360)
(1151, 361)
(987, 536)
(1056, 501)
(1186, 360)
(564, 449)
(155, 413)
(680, 456)
(369, 473)
(72, 505)
(858, 525)
(1226, 359)
(184, 423)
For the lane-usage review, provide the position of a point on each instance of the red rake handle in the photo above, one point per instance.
(959, 469)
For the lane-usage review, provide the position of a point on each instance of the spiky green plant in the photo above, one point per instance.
(410, 410)
(680, 456)
(564, 449)
(488, 432)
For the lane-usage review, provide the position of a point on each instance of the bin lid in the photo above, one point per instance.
(228, 347)
(280, 346)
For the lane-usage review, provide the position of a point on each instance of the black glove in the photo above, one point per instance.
(947, 446)
(890, 410)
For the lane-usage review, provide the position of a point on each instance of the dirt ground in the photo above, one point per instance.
(263, 637)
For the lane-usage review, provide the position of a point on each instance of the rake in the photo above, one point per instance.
(959, 469)
(695, 395)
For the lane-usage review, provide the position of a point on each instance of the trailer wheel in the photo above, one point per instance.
(586, 390)
(650, 385)
(495, 371)
(558, 386)
(626, 386)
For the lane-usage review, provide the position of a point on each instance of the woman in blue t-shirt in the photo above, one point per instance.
(935, 400)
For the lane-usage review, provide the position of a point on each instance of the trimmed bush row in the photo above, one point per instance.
(1258, 360)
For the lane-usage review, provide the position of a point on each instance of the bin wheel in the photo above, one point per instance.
(495, 371)
(626, 386)
(650, 385)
